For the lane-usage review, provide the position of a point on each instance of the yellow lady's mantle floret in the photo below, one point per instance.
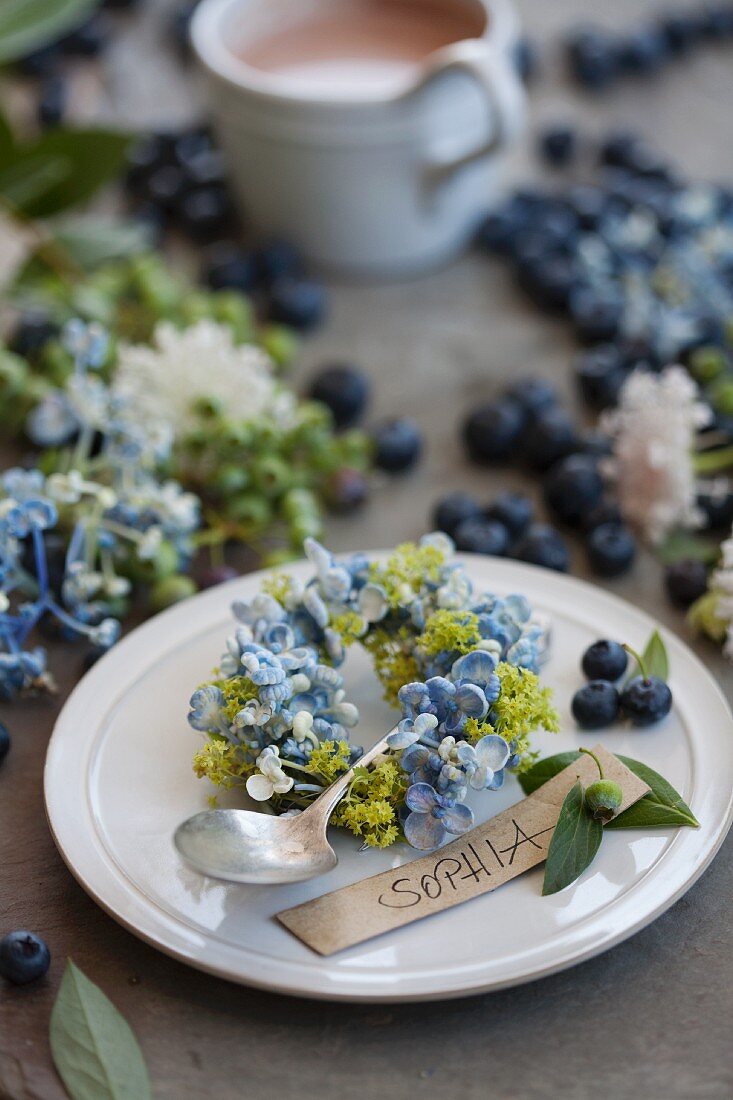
(237, 692)
(450, 632)
(279, 586)
(406, 571)
(522, 707)
(226, 765)
(394, 661)
(369, 807)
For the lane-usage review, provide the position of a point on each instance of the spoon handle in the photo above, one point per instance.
(325, 804)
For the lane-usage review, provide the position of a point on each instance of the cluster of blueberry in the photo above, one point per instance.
(643, 700)
(176, 180)
(397, 442)
(637, 259)
(599, 58)
(527, 424)
(48, 65)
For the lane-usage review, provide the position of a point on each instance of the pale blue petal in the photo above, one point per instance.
(458, 820)
(478, 667)
(423, 831)
(421, 797)
(472, 701)
(492, 752)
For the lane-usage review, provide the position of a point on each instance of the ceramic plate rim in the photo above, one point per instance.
(90, 862)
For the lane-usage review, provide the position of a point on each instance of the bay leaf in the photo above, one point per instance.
(574, 843)
(663, 805)
(26, 25)
(94, 1050)
(545, 769)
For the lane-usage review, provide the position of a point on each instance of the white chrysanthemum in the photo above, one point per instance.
(162, 383)
(654, 429)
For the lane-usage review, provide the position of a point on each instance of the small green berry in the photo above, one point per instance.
(603, 799)
(171, 590)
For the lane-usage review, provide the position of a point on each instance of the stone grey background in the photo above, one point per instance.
(650, 1018)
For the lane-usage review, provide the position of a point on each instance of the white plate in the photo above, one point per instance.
(118, 780)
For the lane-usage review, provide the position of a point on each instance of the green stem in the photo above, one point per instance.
(589, 752)
(712, 462)
(639, 660)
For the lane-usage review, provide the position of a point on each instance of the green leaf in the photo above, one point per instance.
(7, 138)
(93, 241)
(26, 25)
(539, 773)
(94, 1051)
(683, 544)
(90, 158)
(574, 843)
(661, 806)
(26, 181)
(656, 661)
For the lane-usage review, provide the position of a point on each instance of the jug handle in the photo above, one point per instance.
(493, 70)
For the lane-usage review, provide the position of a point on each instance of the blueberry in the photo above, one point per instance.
(681, 31)
(526, 60)
(216, 574)
(165, 187)
(513, 510)
(143, 159)
(32, 332)
(497, 231)
(453, 509)
(604, 660)
(88, 40)
(229, 267)
(592, 59)
(549, 437)
(4, 741)
(42, 62)
(491, 431)
(53, 100)
(345, 490)
(596, 443)
(549, 279)
(533, 395)
(717, 22)
(204, 169)
(600, 373)
(643, 52)
(558, 145)
(572, 487)
(278, 259)
(300, 303)
(23, 957)
(646, 701)
(596, 319)
(603, 799)
(397, 445)
(595, 705)
(344, 390)
(482, 536)
(543, 545)
(686, 581)
(717, 508)
(205, 214)
(611, 549)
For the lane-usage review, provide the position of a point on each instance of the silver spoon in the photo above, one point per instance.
(246, 846)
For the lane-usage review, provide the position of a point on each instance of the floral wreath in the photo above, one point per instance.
(461, 664)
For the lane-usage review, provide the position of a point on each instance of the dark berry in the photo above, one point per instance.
(53, 100)
(526, 60)
(345, 490)
(717, 508)
(681, 31)
(558, 145)
(452, 510)
(646, 701)
(491, 431)
(549, 279)
(23, 957)
(596, 444)
(604, 660)
(165, 187)
(278, 259)
(600, 374)
(4, 741)
(573, 487)
(31, 333)
(593, 59)
(397, 445)
(549, 437)
(41, 62)
(229, 267)
(299, 303)
(344, 390)
(482, 536)
(543, 545)
(533, 395)
(596, 319)
(603, 799)
(611, 549)
(595, 705)
(205, 214)
(686, 581)
(643, 52)
(513, 510)
(88, 40)
(216, 574)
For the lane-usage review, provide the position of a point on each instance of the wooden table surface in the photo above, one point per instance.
(651, 1017)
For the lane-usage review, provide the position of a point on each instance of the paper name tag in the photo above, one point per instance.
(473, 864)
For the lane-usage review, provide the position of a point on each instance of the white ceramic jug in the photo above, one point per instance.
(386, 181)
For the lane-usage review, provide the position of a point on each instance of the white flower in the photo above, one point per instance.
(654, 430)
(163, 383)
(149, 543)
(303, 726)
(270, 779)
